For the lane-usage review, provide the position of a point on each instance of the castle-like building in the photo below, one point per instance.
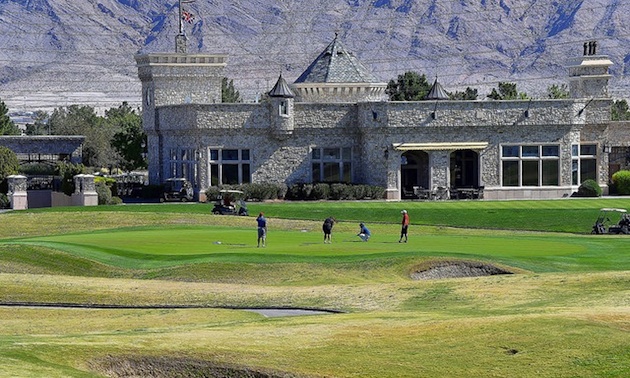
(332, 125)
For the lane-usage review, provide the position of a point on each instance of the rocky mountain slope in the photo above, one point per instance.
(61, 52)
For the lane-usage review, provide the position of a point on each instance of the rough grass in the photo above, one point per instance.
(565, 313)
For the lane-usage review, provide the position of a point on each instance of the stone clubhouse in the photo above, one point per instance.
(332, 125)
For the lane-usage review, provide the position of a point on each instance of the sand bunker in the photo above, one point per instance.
(175, 367)
(456, 269)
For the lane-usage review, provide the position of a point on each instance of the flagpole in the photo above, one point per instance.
(181, 25)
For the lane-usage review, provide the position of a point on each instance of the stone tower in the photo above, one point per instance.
(173, 79)
(281, 98)
(588, 74)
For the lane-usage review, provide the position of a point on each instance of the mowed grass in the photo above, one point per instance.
(564, 313)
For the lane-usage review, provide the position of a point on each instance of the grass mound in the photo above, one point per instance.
(176, 367)
(455, 269)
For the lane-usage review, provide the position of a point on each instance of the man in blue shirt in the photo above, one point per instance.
(364, 233)
(262, 229)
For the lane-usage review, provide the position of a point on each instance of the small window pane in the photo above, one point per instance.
(316, 154)
(510, 151)
(347, 153)
(588, 169)
(331, 172)
(245, 155)
(247, 177)
(317, 172)
(530, 151)
(574, 172)
(214, 175)
(530, 173)
(331, 154)
(347, 172)
(550, 151)
(588, 149)
(510, 173)
(551, 173)
(214, 155)
(574, 150)
(229, 154)
(230, 174)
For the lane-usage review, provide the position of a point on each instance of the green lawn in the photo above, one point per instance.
(564, 313)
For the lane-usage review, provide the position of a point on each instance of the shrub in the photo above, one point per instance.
(4, 201)
(589, 188)
(37, 169)
(621, 180)
(67, 171)
(321, 190)
(104, 193)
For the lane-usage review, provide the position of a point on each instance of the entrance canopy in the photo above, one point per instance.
(440, 146)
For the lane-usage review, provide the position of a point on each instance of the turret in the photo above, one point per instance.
(281, 98)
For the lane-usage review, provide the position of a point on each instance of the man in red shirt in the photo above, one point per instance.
(405, 226)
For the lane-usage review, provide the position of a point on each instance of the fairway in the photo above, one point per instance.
(564, 312)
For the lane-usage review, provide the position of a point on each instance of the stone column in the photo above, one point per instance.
(17, 192)
(84, 191)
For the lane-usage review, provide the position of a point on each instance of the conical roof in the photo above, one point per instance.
(336, 65)
(437, 92)
(281, 89)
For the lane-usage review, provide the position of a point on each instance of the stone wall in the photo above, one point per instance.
(371, 129)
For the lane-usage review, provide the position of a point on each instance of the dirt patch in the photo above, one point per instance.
(176, 367)
(455, 269)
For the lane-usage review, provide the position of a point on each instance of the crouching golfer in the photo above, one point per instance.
(364, 233)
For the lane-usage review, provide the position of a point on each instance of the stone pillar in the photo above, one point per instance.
(439, 166)
(17, 192)
(84, 191)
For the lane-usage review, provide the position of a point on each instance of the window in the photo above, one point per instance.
(530, 165)
(283, 108)
(584, 163)
(182, 163)
(229, 167)
(332, 164)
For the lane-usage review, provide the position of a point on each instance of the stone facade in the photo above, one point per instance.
(398, 145)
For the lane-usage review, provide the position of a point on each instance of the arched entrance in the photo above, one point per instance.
(414, 171)
(464, 169)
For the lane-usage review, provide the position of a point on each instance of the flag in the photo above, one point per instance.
(188, 16)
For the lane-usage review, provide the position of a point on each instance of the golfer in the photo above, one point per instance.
(262, 229)
(404, 227)
(327, 228)
(364, 233)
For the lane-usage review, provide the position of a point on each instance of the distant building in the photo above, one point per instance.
(332, 125)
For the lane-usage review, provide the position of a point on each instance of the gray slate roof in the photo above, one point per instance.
(336, 65)
(281, 89)
(437, 92)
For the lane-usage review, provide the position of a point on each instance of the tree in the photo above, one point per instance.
(467, 95)
(410, 86)
(7, 126)
(130, 140)
(9, 165)
(619, 111)
(557, 92)
(82, 120)
(507, 91)
(228, 93)
(40, 126)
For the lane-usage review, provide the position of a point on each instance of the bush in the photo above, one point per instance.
(104, 193)
(4, 201)
(621, 180)
(9, 165)
(67, 171)
(589, 188)
(320, 190)
(37, 169)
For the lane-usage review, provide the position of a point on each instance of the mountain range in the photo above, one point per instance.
(62, 52)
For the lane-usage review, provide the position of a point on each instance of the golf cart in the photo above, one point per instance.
(177, 189)
(619, 225)
(230, 202)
